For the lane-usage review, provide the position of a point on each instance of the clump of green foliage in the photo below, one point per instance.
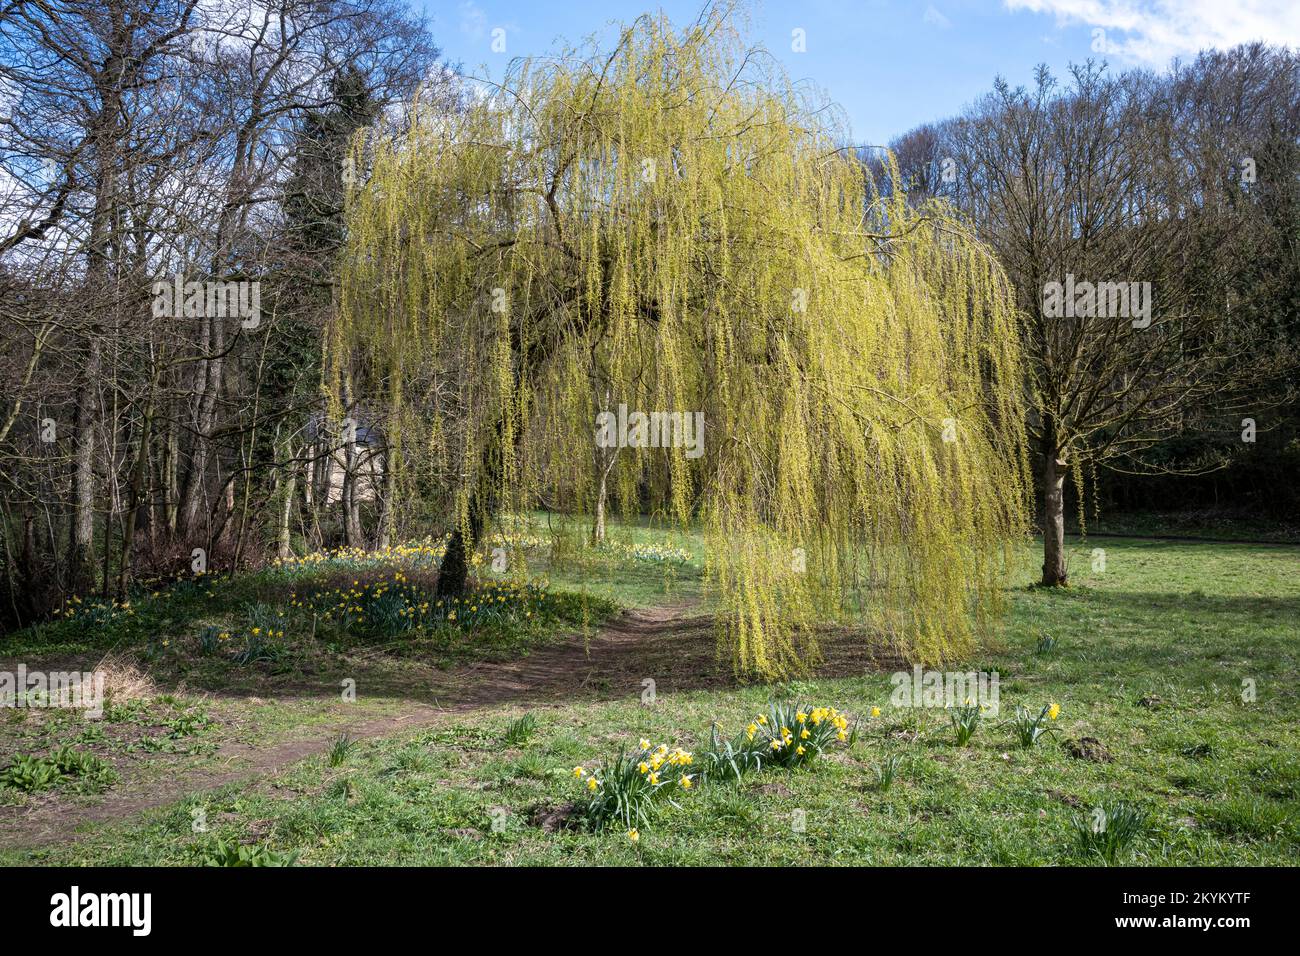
(229, 853)
(32, 774)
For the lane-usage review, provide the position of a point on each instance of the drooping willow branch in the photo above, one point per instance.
(676, 221)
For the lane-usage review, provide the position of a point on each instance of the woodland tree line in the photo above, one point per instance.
(148, 138)
(1190, 181)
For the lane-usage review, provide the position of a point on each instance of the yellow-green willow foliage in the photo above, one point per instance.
(672, 225)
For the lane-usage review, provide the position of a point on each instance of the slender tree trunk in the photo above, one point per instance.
(171, 477)
(135, 498)
(351, 510)
(387, 504)
(192, 491)
(312, 500)
(598, 532)
(30, 572)
(604, 462)
(286, 512)
(605, 458)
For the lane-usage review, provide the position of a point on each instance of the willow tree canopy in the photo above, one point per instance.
(674, 226)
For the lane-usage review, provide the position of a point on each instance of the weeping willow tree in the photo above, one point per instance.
(674, 226)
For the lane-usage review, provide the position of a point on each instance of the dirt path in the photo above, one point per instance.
(671, 645)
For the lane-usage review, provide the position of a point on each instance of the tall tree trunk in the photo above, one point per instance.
(1055, 571)
(100, 244)
(210, 373)
(81, 557)
(286, 511)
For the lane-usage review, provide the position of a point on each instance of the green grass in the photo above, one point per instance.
(1150, 658)
(1207, 523)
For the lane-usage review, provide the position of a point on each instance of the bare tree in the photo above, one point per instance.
(1120, 206)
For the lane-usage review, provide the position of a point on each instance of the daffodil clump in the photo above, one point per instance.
(1029, 727)
(94, 613)
(966, 720)
(517, 541)
(791, 735)
(425, 553)
(624, 789)
(393, 606)
(647, 553)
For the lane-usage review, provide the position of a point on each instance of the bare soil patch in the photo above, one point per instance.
(672, 644)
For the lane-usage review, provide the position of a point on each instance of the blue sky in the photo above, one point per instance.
(895, 63)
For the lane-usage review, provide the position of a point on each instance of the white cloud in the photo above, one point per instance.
(935, 18)
(473, 21)
(1153, 31)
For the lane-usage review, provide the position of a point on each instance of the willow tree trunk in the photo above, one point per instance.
(604, 462)
(598, 531)
(1055, 571)
(605, 458)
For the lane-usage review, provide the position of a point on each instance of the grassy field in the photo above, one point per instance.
(1174, 666)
